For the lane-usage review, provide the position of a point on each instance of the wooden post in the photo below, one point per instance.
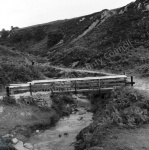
(8, 91)
(132, 81)
(30, 88)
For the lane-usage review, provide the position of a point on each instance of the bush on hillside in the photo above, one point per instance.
(39, 34)
(143, 70)
(54, 38)
(17, 37)
(25, 35)
(4, 34)
(15, 73)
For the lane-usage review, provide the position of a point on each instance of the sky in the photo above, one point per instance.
(23, 13)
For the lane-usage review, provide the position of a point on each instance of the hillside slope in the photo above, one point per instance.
(111, 39)
(120, 40)
(14, 67)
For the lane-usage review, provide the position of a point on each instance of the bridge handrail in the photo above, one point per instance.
(76, 79)
(71, 84)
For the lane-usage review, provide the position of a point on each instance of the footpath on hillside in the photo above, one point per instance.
(82, 70)
(140, 83)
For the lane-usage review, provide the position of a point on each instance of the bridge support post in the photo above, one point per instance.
(7, 91)
(132, 81)
(30, 88)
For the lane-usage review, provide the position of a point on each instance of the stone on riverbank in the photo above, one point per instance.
(28, 146)
(19, 146)
(15, 140)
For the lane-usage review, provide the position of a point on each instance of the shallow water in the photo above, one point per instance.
(55, 139)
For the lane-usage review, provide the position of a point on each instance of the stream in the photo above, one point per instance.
(63, 135)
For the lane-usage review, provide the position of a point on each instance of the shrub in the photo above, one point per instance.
(9, 100)
(67, 99)
(39, 34)
(54, 38)
(54, 119)
(12, 72)
(60, 104)
(143, 70)
(4, 34)
(24, 101)
(126, 107)
(16, 37)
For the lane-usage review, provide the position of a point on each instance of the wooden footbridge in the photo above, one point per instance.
(71, 85)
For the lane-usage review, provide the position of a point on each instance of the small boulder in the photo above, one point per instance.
(28, 146)
(37, 131)
(6, 136)
(19, 146)
(15, 140)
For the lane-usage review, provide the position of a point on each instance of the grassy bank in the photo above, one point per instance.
(125, 108)
(22, 122)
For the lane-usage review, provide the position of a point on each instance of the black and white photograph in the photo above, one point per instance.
(74, 75)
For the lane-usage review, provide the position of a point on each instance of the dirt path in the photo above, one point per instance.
(142, 83)
(82, 70)
(63, 135)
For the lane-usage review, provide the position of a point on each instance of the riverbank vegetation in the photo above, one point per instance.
(124, 108)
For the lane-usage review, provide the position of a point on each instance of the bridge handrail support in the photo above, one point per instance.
(132, 83)
(30, 88)
(7, 91)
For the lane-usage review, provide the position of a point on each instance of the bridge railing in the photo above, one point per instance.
(71, 85)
